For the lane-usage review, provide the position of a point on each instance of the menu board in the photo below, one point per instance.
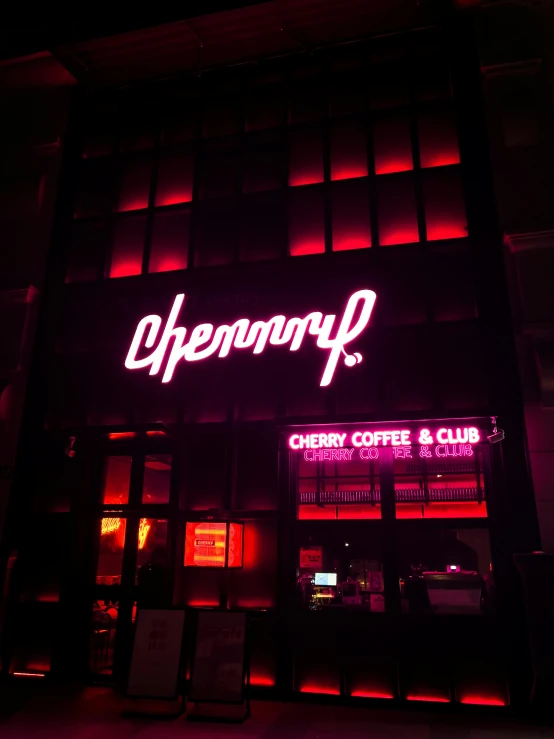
(154, 670)
(219, 657)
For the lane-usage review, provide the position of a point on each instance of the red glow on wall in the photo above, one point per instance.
(262, 680)
(170, 240)
(321, 689)
(438, 139)
(128, 247)
(371, 694)
(438, 229)
(314, 512)
(121, 435)
(175, 177)
(483, 700)
(392, 144)
(28, 674)
(350, 215)
(155, 433)
(203, 603)
(303, 248)
(306, 222)
(348, 150)
(428, 698)
(305, 157)
(445, 214)
(366, 512)
(471, 509)
(397, 210)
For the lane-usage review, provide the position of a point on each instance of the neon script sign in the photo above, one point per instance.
(465, 435)
(206, 340)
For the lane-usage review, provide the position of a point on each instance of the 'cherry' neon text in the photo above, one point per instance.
(465, 435)
(206, 340)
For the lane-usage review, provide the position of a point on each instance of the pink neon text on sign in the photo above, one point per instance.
(465, 435)
(206, 340)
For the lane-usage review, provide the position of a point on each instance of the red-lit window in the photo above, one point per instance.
(86, 251)
(175, 175)
(350, 215)
(216, 234)
(306, 101)
(389, 87)
(263, 227)
(432, 75)
(346, 94)
(112, 542)
(306, 156)
(219, 170)
(134, 184)
(170, 239)
(263, 165)
(264, 110)
(445, 212)
(128, 246)
(136, 138)
(348, 150)
(117, 478)
(397, 209)
(152, 535)
(438, 140)
(306, 221)
(179, 128)
(98, 145)
(211, 544)
(221, 118)
(157, 478)
(94, 195)
(392, 143)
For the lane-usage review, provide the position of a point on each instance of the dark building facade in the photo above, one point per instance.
(276, 296)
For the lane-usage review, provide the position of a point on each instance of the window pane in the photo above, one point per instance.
(152, 540)
(346, 488)
(116, 480)
(157, 477)
(264, 110)
(397, 209)
(221, 117)
(94, 195)
(175, 175)
(263, 164)
(102, 644)
(134, 184)
(306, 221)
(392, 143)
(86, 251)
(306, 102)
(179, 128)
(350, 211)
(170, 241)
(98, 145)
(445, 213)
(219, 171)
(445, 571)
(438, 139)
(388, 85)
(305, 156)
(263, 231)
(349, 570)
(348, 150)
(215, 234)
(136, 138)
(128, 246)
(110, 558)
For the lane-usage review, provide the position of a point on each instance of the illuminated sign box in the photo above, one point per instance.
(213, 544)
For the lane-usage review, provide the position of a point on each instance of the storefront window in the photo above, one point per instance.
(110, 558)
(152, 537)
(338, 484)
(157, 478)
(445, 571)
(117, 479)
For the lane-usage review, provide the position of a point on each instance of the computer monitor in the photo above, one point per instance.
(325, 579)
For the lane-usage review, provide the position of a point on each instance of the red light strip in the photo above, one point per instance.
(369, 694)
(319, 689)
(428, 698)
(477, 700)
(29, 674)
(262, 681)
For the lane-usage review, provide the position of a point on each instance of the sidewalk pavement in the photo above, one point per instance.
(49, 711)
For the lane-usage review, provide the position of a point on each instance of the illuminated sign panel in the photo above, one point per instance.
(213, 544)
(461, 436)
(206, 340)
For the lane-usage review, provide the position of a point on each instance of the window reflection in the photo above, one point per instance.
(110, 558)
(445, 571)
(152, 536)
(157, 476)
(102, 638)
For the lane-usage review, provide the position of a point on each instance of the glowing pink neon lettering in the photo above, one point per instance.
(206, 340)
